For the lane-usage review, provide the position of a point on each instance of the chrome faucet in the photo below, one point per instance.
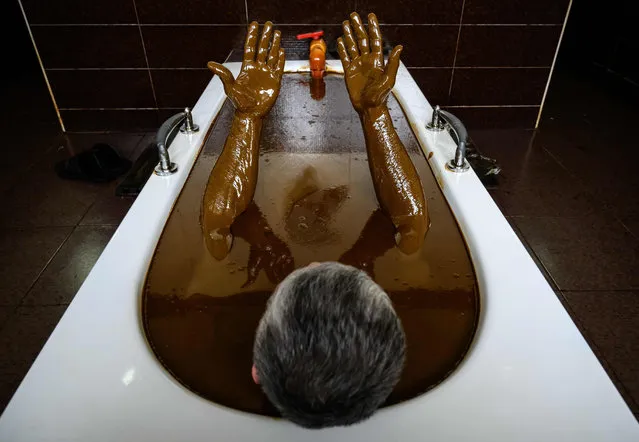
(441, 120)
(165, 135)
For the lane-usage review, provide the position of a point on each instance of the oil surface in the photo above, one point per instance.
(314, 201)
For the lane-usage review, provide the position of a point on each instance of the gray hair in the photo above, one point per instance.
(330, 347)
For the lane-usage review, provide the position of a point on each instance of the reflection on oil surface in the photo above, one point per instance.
(314, 202)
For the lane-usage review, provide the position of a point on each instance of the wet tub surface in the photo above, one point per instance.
(315, 198)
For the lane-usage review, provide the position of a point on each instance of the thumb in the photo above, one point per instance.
(225, 75)
(393, 64)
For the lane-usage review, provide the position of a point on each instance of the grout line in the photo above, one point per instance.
(476, 67)
(552, 67)
(480, 106)
(588, 189)
(67, 109)
(452, 74)
(289, 24)
(502, 67)
(44, 72)
(146, 58)
(514, 24)
(204, 69)
(51, 259)
(126, 69)
(107, 108)
(77, 25)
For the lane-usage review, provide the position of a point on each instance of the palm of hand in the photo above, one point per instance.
(255, 89)
(366, 80)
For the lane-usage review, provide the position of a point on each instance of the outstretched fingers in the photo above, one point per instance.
(262, 49)
(375, 38)
(360, 32)
(281, 61)
(349, 40)
(274, 54)
(393, 64)
(343, 55)
(251, 40)
(225, 75)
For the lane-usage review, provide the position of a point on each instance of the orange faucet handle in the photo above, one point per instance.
(313, 35)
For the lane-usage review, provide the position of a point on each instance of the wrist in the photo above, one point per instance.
(374, 112)
(248, 116)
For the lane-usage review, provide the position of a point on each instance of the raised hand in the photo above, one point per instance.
(255, 89)
(367, 80)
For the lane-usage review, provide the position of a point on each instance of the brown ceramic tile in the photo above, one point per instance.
(531, 252)
(8, 385)
(79, 11)
(124, 143)
(507, 45)
(515, 11)
(407, 11)
(24, 335)
(532, 182)
(47, 200)
(5, 312)
(424, 46)
(102, 89)
(89, 46)
(524, 161)
(24, 252)
(192, 11)
(434, 83)
(298, 49)
(165, 114)
(592, 252)
(608, 320)
(300, 11)
(109, 120)
(179, 87)
(481, 87)
(564, 197)
(190, 46)
(476, 118)
(108, 210)
(67, 271)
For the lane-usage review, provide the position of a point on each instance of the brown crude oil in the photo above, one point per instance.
(314, 201)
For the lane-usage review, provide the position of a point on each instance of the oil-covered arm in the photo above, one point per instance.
(397, 184)
(232, 182)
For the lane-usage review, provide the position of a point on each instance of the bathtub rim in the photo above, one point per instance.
(98, 322)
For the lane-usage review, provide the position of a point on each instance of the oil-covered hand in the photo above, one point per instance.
(368, 81)
(255, 89)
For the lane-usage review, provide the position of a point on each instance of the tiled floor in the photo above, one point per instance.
(565, 189)
(51, 231)
(570, 192)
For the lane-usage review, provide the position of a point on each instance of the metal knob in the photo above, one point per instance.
(189, 126)
(436, 124)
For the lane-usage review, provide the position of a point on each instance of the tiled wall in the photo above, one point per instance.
(127, 64)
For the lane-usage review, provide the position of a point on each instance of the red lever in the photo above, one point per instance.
(314, 35)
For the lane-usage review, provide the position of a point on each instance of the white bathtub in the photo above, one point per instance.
(532, 379)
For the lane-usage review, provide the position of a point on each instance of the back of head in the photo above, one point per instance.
(329, 348)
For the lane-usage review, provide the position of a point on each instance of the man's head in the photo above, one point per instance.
(329, 348)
